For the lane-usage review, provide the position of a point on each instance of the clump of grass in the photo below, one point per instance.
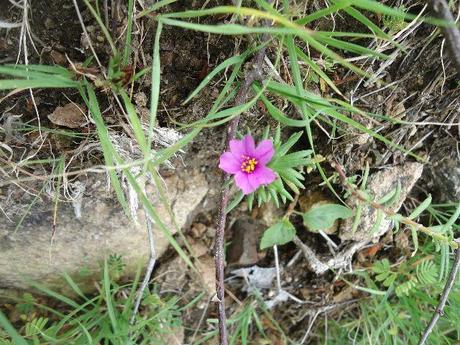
(88, 319)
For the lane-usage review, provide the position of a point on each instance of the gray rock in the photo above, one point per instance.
(445, 177)
(380, 184)
(85, 233)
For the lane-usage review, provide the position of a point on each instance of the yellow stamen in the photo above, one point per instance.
(249, 164)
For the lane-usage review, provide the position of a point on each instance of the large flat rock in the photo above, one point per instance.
(82, 239)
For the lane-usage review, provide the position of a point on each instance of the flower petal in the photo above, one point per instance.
(242, 181)
(229, 163)
(237, 148)
(264, 151)
(244, 147)
(249, 145)
(263, 175)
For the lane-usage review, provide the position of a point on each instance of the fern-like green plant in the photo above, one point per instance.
(417, 275)
(35, 326)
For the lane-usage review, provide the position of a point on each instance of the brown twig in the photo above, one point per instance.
(443, 300)
(255, 73)
(149, 270)
(451, 33)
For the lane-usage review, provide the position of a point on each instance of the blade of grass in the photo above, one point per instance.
(108, 298)
(107, 149)
(129, 28)
(11, 331)
(305, 113)
(155, 91)
(101, 24)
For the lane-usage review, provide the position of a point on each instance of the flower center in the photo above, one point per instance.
(249, 164)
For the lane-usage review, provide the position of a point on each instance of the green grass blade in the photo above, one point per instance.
(74, 286)
(53, 294)
(316, 69)
(135, 123)
(155, 7)
(107, 148)
(226, 29)
(103, 27)
(45, 83)
(155, 91)
(129, 29)
(108, 298)
(11, 331)
(323, 13)
(219, 68)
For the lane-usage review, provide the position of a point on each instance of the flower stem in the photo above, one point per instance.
(254, 74)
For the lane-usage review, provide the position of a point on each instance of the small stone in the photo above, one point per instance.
(198, 230)
(58, 57)
(207, 269)
(173, 336)
(199, 248)
(246, 233)
(380, 184)
(211, 232)
(49, 23)
(141, 99)
(71, 115)
(270, 214)
(446, 180)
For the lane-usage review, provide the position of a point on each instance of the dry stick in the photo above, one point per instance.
(443, 300)
(254, 74)
(451, 33)
(148, 272)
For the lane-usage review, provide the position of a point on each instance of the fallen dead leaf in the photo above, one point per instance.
(369, 252)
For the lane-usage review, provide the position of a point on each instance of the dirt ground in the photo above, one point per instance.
(415, 87)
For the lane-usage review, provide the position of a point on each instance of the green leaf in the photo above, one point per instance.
(390, 280)
(324, 216)
(278, 234)
(420, 208)
(382, 276)
(381, 266)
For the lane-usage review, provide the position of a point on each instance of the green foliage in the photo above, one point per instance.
(383, 272)
(323, 216)
(99, 319)
(278, 234)
(401, 321)
(419, 274)
(116, 266)
(104, 319)
(35, 327)
(399, 315)
(394, 24)
(246, 324)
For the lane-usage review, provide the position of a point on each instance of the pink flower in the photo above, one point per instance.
(248, 163)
